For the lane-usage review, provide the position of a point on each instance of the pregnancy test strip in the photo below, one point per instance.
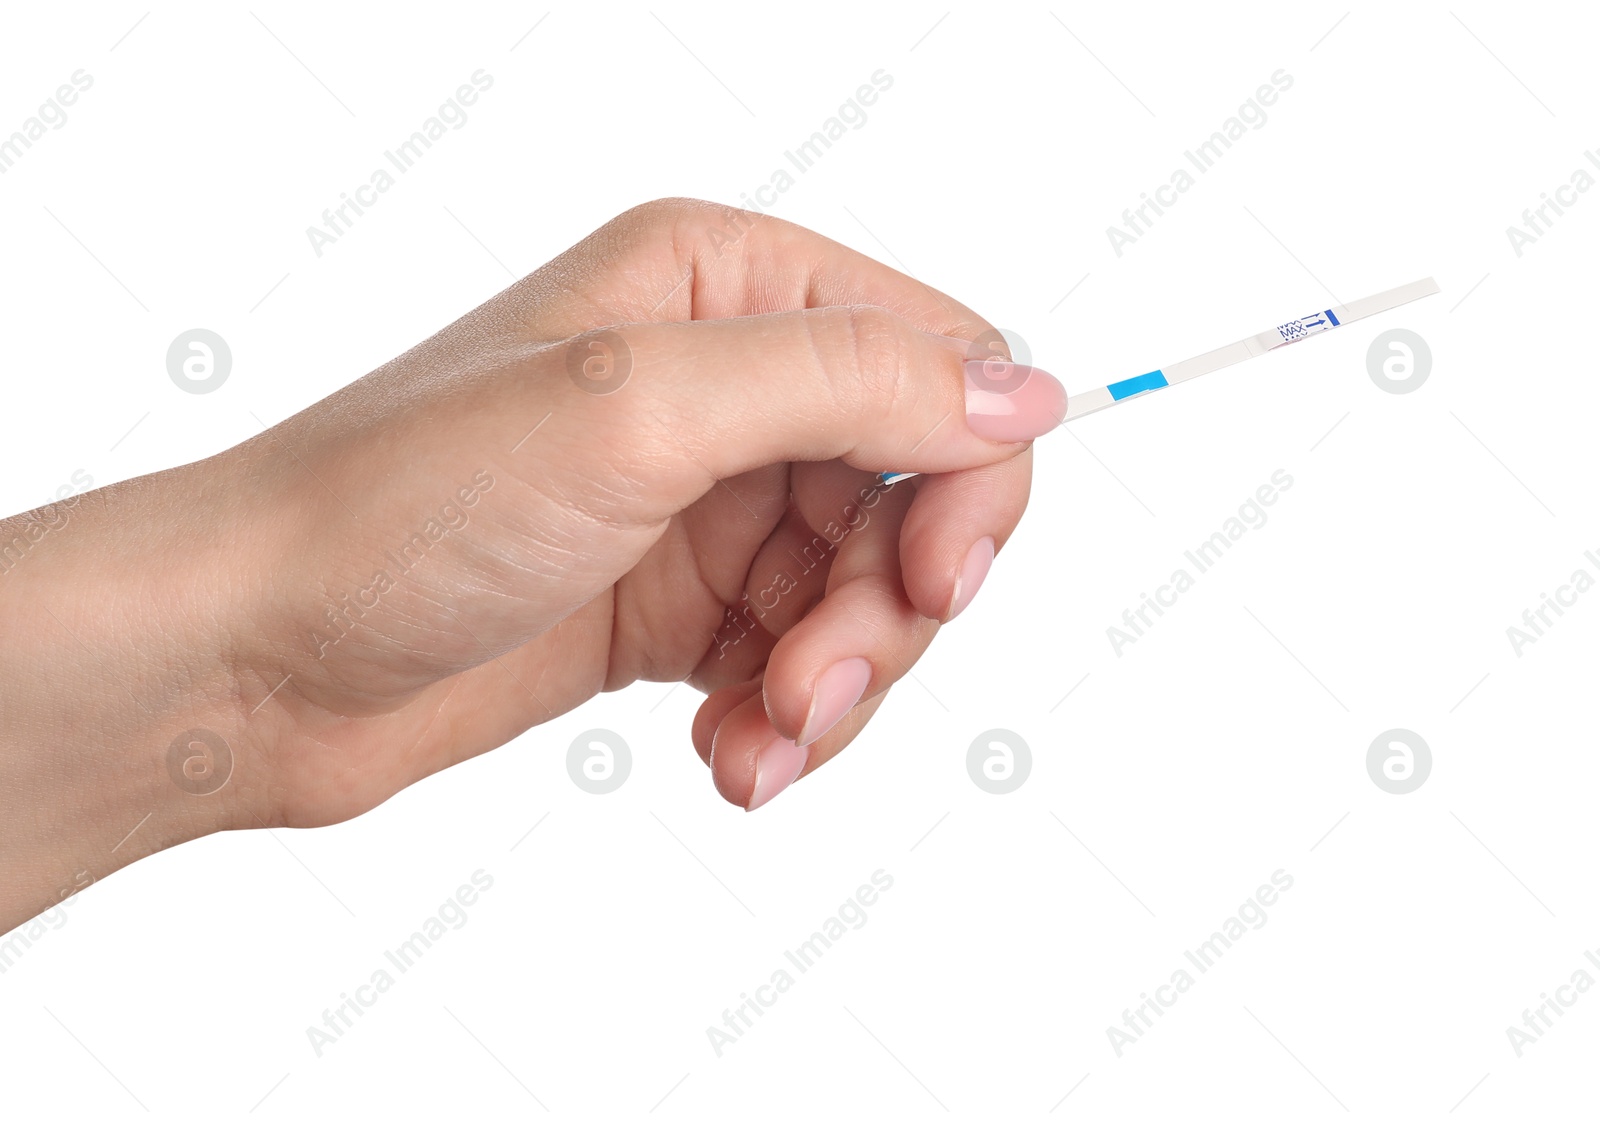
(1090, 401)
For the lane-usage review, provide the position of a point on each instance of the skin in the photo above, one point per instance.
(772, 373)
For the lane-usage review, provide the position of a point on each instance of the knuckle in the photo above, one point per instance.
(878, 345)
(693, 223)
(664, 213)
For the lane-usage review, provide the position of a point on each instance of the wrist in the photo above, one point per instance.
(121, 711)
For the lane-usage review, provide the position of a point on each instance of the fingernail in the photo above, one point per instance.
(1006, 402)
(838, 688)
(777, 766)
(974, 568)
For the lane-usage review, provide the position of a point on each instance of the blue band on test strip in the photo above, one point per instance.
(1332, 319)
(1127, 388)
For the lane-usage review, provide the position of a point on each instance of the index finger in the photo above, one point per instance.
(685, 259)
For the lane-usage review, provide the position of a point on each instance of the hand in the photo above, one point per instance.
(523, 511)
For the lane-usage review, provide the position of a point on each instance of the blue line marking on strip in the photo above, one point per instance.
(1332, 319)
(1127, 388)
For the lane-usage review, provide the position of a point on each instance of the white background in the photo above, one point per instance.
(1228, 743)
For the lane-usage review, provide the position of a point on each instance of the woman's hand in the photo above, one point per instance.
(654, 458)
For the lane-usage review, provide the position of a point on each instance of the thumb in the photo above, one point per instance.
(674, 407)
